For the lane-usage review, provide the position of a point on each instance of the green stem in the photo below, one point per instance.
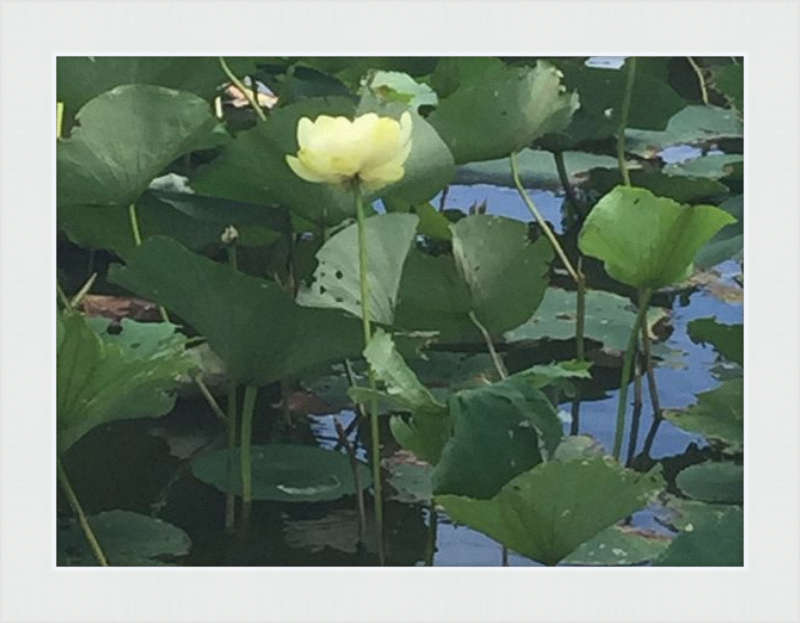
(644, 299)
(700, 79)
(248, 407)
(230, 496)
(651, 377)
(248, 94)
(569, 192)
(623, 121)
(498, 362)
(373, 403)
(351, 455)
(212, 402)
(85, 288)
(537, 215)
(62, 297)
(91, 539)
(59, 118)
(134, 219)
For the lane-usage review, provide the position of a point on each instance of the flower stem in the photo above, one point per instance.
(498, 362)
(623, 121)
(373, 403)
(134, 219)
(248, 406)
(644, 299)
(91, 539)
(537, 215)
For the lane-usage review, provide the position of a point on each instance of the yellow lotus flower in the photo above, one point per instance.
(335, 150)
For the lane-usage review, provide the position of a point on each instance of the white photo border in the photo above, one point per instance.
(33, 32)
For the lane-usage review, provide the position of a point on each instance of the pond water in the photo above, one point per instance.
(136, 465)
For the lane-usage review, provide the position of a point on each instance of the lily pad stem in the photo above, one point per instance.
(248, 407)
(644, 299)
(498, 362)
(248, 94)
(433, 528)
(137, 239)
(91, 539)
(230, 496)
(539, 219)
(373, 403)
(700, 79)
(623, 121)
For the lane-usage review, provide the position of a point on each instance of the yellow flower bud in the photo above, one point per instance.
(338, 151)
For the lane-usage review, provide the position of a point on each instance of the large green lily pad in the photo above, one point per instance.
(609, 319)
(647, 241)
(727, 340)
(547, 512)
(718, 414)
(680, 188)
(252, 324)
(491, 115)
(336, 282)
(286, 473)
(128, 540)
(100, 378)
(717, 483)
(495, 272)
(500, 431)
(126, 138)
(716, 541)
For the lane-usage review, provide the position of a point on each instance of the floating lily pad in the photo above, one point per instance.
(126, 138)
(609, 319)
(575, 447)
(494, 114)
(727, 340)
(717, 541)
(620, 546)
(647, 241)
(713, 166)
(548, 512)
(336, 282)
(337, 530)
(100, 378)
(681, 188)
(720, 483)
(286, 473)
(718, 414)
(127, 539)
(499, 431)
(410, 478)
(252, 324)
(694, 125)
(537, 169)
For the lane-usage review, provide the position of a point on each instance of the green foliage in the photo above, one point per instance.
(680, 188)
(101, 378)
(500, 431)
(727, 340)
(713, 482)
(729, 80)
(619, 546)
(728, 243)
(128, 539)
(715, 541)
(609, 319)
(495, 272)
(491, 115)
(718, 414)
(336, 281)
(126, 138)
(547, 512)
(252, 324)
(647, 241)
(286, 473)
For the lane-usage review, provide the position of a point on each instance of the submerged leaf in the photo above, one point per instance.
(548, 512)
(647, 241)
(286, 473)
